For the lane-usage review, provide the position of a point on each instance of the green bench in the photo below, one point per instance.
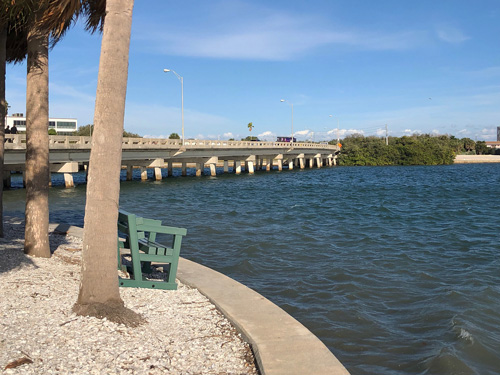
(139, 235)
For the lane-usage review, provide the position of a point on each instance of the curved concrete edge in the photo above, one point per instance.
(282, 345)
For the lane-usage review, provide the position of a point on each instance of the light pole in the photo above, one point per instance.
(182, 99)
(338, 139)
(291, 105)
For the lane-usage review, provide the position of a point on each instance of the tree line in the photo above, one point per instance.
(421, 149)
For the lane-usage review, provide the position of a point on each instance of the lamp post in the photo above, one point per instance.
(338, 139)
(291, 105)
(182, 99)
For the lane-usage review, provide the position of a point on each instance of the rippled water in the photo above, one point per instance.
(396, 269)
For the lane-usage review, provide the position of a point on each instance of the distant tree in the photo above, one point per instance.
(127, 134)
(231, 139)
(250, 138)
(250, 126)
(85, 131)
(52, 132)
(174, 136)
(468, 144)
(482, 149)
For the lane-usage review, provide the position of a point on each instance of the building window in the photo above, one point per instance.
(66, 125)
(20, 122)
(52, 124)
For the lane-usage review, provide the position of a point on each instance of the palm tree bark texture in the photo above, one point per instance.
(3, 113)
(37, 144)
(99, 292)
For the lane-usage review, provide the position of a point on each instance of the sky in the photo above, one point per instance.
(342, 67)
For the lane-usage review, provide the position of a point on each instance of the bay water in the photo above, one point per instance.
(395, 269)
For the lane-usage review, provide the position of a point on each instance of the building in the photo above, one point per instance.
(498, 133)
(494, 145)
(63, 126)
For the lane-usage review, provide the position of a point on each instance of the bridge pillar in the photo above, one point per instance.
(130, 172)
(269, 164)
(290, 163)
(280, 164)
(302, 163)
(213, 169)
(261, 163)
(250, 167)
(144, 173)
(311, 162)
(226, 166)
(319, 162)
(158, 173)
(170, 169)
(68, 180)
(199, 169)
(6, 179)
(184, 169)
(237, 168)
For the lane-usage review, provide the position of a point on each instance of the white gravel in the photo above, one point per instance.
(184, 333)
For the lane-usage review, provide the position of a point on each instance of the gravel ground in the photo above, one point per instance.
(184, 333)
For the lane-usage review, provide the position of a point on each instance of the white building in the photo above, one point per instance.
(63, 126)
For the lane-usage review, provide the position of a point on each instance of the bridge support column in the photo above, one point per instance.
(311, 163)
(158, 173)
(319, 162)
(199, 169)
(130, 172)
(68, 180)
(261, 163)
(183, 169)
(335, 160)
(269, 164)
(302, 163)
(144, 174)
(213, 169)
(250, 167)
(170, 169)
(280, 164)
(6, 179)
(237, 168)
(290, 163)
(226, 166)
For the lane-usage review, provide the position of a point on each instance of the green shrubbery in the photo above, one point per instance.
(422, 149)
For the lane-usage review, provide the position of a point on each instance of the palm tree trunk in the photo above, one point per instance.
(3, 113)
(99, 294)
(36, 240)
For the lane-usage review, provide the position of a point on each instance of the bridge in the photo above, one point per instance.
(69, 154)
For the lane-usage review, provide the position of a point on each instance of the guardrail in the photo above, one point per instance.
(18, 141)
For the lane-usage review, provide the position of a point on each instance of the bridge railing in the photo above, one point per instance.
(18, 141)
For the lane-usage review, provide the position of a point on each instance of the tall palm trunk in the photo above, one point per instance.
(99, 294)
(36, 242)
(3, 113)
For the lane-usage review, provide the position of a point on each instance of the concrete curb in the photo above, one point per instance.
(282, 345)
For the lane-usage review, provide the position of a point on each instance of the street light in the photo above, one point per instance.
(338, 139)
(182, 99)
(291, 105)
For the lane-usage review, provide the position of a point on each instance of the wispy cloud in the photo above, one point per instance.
(450, 34)
(259, 33)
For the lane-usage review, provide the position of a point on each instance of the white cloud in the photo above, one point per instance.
(451, 34)
(277, 36)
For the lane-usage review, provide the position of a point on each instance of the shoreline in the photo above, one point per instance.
(472, 159)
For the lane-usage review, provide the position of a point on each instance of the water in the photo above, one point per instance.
(395, 269)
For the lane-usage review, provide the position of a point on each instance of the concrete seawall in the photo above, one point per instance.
(281, 345)
(469, 159)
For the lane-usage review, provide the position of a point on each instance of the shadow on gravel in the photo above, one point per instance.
(12, 245)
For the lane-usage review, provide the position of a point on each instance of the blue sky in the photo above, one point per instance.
(419, 67)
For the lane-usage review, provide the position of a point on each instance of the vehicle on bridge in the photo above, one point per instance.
(286, 139)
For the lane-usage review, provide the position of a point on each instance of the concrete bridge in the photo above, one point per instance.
(69, 154)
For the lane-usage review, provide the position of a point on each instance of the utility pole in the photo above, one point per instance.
(386, 136)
